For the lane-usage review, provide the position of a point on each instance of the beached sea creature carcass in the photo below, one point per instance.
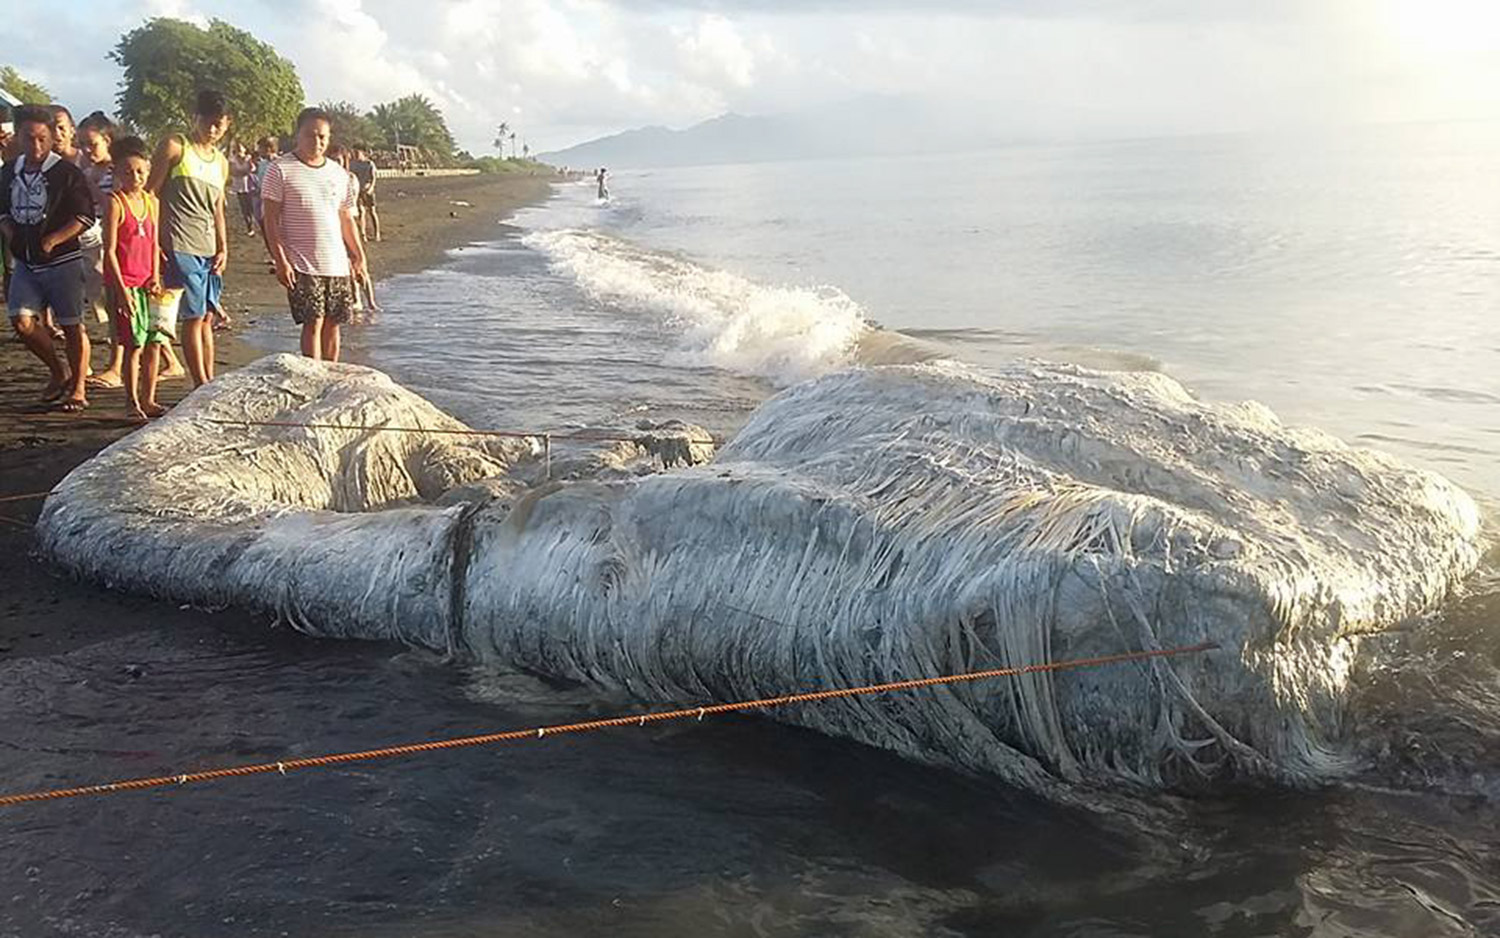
(867, 526)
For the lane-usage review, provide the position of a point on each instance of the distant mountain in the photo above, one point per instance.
(870, 126)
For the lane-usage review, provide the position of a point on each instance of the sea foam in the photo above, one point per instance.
(783, 334)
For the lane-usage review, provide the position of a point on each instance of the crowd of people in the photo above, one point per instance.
(97, 222)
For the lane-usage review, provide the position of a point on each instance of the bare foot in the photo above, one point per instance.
(135, 413)
(177, 372)
(73, 405)
(153, 409)
(104, 379)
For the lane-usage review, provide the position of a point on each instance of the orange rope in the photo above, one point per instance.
(592, 435)
(541, 732)
(26, 497)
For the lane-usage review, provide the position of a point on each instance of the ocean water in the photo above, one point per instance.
(1350, 281)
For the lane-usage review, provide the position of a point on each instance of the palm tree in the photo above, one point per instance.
(512, 144)
(525, 151)
(500, 133)
(350, 126)
(414, 121)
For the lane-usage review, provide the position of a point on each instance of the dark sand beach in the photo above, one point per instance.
(38, 446)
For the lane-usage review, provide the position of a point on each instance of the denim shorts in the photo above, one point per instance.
(58, 288)
(194, 276)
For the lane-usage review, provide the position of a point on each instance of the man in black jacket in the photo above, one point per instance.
(44, 206)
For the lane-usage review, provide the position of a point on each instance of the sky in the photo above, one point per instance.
(564, 71)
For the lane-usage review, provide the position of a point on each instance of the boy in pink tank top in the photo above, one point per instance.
(132, 266)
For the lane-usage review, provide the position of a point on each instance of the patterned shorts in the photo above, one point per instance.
(313, 297)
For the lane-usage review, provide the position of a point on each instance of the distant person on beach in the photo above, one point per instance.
(44, 207)
(361, 285)
(241, 181)
(265, 153)
(133, 261)
(369, 218)
(315, 244)
(190, 176)
(602, 176)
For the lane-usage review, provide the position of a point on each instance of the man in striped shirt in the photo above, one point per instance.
(310, 229)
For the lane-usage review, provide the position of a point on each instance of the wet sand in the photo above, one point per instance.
(43, 615)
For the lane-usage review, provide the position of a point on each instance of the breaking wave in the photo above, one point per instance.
(872, 525)
(783, 334)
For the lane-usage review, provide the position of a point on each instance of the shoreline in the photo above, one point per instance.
(45, 615)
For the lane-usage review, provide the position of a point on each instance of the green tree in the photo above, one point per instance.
(351, 126)
(28, 91)
(167, 62)
(415, 121)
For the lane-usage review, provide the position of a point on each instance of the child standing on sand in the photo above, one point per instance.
(133, 266)
(96, 142)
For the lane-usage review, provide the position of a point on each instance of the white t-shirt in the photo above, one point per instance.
(311, 197)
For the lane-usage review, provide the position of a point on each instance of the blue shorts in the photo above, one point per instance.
(200, 287)
(59, 288)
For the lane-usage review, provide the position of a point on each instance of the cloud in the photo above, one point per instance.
(715, 51)
(1124, 11)
(563, 70)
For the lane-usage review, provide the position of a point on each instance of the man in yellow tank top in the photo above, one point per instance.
(190, 176)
